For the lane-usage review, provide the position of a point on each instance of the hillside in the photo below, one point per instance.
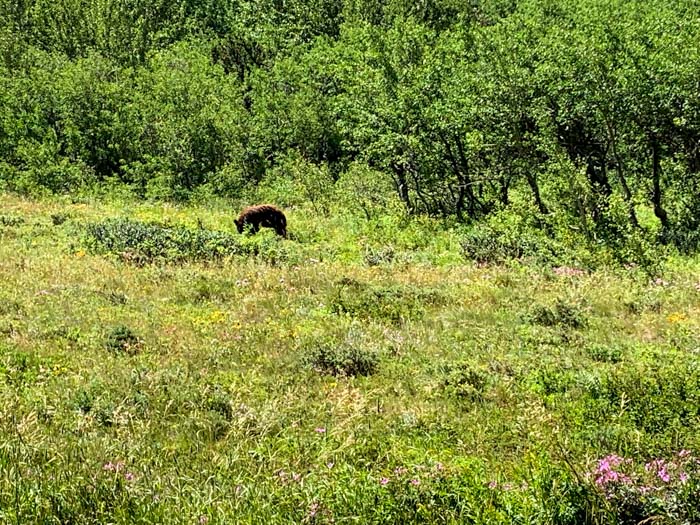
(333, 377)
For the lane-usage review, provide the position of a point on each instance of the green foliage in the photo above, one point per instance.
(347, 358)
(11, 221)
(410, 391)
(463, 381)
(605, 353)
(562, 313)
(121, 339)
(395, 304)
(656, 399)
(141, 242)
(442, 109)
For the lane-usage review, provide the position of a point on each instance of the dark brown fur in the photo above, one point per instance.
(265, 215)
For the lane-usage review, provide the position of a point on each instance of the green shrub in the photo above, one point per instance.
(140, 242)
(487, 244)
(561, 314)
(464, 381)
(121, 339)
(605, 353)
(345, 358)
(657, 398)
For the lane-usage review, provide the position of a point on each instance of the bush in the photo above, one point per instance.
(486, 243)
(346, 359)
(561, 314)
(121, 339)
(658, 398)
(140, 242)
(605, 353)
(463, 381)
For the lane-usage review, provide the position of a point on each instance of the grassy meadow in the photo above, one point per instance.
(360, 372)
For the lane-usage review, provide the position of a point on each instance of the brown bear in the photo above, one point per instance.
(265, 215)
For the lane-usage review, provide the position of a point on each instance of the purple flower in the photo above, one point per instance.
(384, 481)
(493, 485)
(665, 477)
(129, 476)
(415, 482)
(605, 472)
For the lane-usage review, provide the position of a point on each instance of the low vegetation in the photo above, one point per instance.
(484, 310)
(322, 386)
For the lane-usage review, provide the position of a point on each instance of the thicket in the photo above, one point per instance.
(576, 116)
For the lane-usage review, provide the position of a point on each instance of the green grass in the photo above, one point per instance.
(215, 390)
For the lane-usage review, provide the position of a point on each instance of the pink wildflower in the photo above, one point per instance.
(320, 430)
(605, 472)
(683, 477)
(384, 481)
(203, 520)
(129, 476)
(400, 471)
(415, 482)
(493, 485)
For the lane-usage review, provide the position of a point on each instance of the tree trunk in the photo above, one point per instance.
(402, 185)
(626, 193)
(659, 210)
(532, 181)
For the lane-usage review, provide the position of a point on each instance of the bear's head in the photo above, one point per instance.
(239, 225)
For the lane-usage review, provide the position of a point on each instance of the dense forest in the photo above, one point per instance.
(583, 115)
